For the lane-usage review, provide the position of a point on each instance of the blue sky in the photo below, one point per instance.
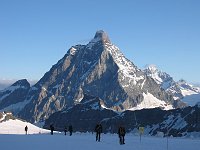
(35, 34)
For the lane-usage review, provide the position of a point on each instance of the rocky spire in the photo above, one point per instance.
(101, 36)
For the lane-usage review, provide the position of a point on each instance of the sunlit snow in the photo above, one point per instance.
(151, 102)
(13, 137)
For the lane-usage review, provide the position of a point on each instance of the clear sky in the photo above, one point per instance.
(35, 34)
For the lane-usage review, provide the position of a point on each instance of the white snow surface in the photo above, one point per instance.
(13, 137)
(186, 92)
(152, 102)
(86, 141)
(17, 127)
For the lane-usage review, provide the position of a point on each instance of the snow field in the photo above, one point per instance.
(18, 127)
(86, 141)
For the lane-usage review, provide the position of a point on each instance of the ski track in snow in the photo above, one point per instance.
(86, 141)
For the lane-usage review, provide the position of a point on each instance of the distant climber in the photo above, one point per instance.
(65, 130)
(98, 130)
(26, 129)
(121, 133)
(52, 129)
(70, 130)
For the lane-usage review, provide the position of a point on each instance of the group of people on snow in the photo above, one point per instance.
(70, 129)
(121, 133)
(98, 130)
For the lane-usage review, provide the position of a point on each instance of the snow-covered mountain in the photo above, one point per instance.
(180, 89)
(191, 94)
(11, 125)
(162, 78)
(13, 97)
(99, 69)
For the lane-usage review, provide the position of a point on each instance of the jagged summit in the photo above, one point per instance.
(101, 35)
(151, 68)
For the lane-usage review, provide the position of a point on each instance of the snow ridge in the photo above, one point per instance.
(126, 68)
(180, 89)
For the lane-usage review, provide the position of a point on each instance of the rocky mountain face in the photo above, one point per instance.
(4, 116)
(98, 69)
(12, 98)
(84, 116)
(180, 89)
(185, 86)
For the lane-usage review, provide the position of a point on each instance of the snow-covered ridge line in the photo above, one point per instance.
(126, 67)
(180, 89)
(17, 127)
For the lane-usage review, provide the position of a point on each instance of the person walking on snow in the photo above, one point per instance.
(26, 129)
(98, 130)
(121, 133)
(70, 130)
(65, 130)
(52, 129)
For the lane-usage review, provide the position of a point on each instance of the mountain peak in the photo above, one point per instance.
(22, 82)
(101, 36)
(182, 81)
(152, 68)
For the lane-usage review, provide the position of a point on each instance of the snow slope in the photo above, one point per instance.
(151, 102)
(191, 94)
(87, 142)
(17, 127)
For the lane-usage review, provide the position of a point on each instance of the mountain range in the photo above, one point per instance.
(181, 122)
(180, 89)
(99, 72)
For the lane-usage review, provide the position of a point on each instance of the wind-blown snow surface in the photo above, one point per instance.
(17, 127)
(87, 142)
